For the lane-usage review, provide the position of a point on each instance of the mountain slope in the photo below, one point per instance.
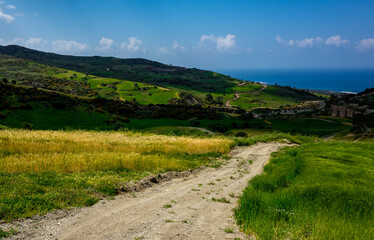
(144, 81)
(133, 69)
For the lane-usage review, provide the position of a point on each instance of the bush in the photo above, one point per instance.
(2, 115)
(194, 122)
(118, 126)
(25, 106)
(241, 134)
(28, 126)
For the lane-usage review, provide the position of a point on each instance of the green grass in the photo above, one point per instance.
(45, 170)
(42, 117)
(308, 126)
(320, 190)
(221, 200)
(272, 96)
(130, 81)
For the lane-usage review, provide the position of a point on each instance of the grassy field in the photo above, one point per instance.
(272, 96)
(44, 117)
(306, 126)
(140, 83)
(320, 190)
(44, 170)
(143, 93)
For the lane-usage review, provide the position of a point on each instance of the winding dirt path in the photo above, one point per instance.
(189, 208)
(237, 95)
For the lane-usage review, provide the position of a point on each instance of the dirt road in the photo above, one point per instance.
(237, 95)
(197, 207)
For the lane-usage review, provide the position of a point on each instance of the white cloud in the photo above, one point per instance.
(225, 43)
(64, 46)
(105, 43)
(205, 38)
(219, 43)
(10, 6)
(2, 42)
(176, 46)
(6, 17)
(278, 39)
(35, 43)
(307, 42)
(336, 41)
(312, 42)
(133, 45)
(365, 45)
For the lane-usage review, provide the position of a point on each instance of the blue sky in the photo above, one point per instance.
(204, 34)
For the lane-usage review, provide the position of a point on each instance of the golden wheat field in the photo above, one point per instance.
(76, 151)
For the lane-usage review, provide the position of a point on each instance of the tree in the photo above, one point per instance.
(209, 98)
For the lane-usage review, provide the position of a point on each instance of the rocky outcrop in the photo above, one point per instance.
(351, 105)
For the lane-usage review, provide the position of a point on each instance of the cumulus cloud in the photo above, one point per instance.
(219, 43)
(365, 45)
(64, 46)
(4, 16)
(105, 43)
(176, 46)
(308, 42)
(336, 41)
(10, 6)
(278, 39)
(133, 45)
(35, 43)
(225, 43)
(311, 42)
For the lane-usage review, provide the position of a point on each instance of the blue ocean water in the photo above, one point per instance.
(341, 80)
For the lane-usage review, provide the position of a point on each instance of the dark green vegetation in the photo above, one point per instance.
(32, 108)
(309, 126)
(319, 190)
(144, 81)
(273, 96)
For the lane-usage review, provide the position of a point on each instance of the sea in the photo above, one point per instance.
(338, 80)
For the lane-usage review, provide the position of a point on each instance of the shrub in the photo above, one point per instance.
(194, 122)
(28, 126)
(118, 126)
(241, 134)
(26, 106)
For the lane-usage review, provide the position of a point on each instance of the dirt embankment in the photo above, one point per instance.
(199, 206)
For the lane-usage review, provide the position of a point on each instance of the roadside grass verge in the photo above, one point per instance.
(45, 170)
(322, 190)
(274, 137)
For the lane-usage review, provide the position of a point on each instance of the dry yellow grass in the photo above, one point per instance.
(76, 151)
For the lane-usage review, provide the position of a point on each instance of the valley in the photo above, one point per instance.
(89, 145)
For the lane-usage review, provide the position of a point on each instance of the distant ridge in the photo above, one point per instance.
(45, 57)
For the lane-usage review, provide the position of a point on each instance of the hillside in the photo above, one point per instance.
(146, 81)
